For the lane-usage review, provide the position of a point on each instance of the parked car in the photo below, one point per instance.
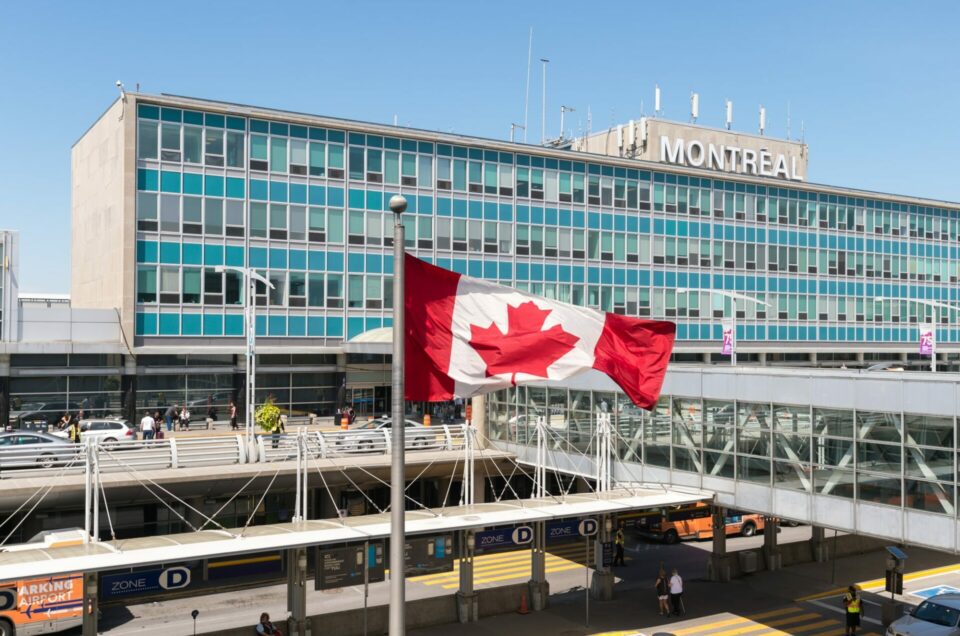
(938, 616)
(367, 436)
(33, 449)
(40, 416)
(108, 430)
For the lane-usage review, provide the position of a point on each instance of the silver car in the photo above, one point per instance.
(32, 449)
(938, 616)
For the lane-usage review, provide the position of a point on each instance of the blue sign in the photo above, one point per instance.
(503, 537)
(560, 530)
(930, 592)
(131, 583)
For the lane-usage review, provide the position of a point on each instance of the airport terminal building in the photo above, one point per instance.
(165, 189)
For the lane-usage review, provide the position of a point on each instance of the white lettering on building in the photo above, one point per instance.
(732, 158)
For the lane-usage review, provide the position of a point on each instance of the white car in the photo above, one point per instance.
(938, 616)
(105, 431)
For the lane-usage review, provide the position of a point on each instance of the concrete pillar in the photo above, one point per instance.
(297, 624)
(90, 604)
(771, 552)
(539, 586)
(4, 390)
(718, 568)
(601, 585)
(479, 414)
(468, 606)
(763, 358)
(818, 544)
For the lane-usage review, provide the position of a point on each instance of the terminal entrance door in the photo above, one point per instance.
(367, 401)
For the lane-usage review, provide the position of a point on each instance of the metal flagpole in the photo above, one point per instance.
(398, 206)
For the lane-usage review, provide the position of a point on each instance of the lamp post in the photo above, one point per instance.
(250, 277)
(928, 303)
(734, 297)
(397, 623)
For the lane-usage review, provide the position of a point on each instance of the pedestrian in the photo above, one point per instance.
(73, 432)
(147, 425)
(233, 416)
(676, 593)
(64, 421)
(211, 416)
(851, 601)
(663, 593)
(184, 418)
(279, 427)
(618, 546)
(266, 627)
(171, 414)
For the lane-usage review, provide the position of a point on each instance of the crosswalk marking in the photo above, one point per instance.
(756, 627)
(507, 577)
(735, 621)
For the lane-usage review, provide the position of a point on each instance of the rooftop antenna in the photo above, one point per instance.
(123, 98)
(543, 102)
(526, 99)
(589, 121)
(641, 108)
(656, 100)
(396, 119)
(802, 132)
(729, 113)
(564, 109)
(763, 119)
(513, 127)
(694, 107)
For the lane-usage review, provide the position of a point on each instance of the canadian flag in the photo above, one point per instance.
(465, 337)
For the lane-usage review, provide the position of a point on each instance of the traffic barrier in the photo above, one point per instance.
(426, 420)
(523, 604)
(344, 423)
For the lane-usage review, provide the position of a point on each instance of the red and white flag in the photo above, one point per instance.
(466, 336)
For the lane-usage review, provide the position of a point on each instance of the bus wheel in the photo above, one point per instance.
(6, 629)
(671, 537)
(748, 530)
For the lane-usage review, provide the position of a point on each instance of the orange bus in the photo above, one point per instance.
(694, 521)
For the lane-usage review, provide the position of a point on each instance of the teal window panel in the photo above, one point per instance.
(192, 183)
(191, 325)
(357, 199)
(215, 121)
(444, 206)
(354, 327)
(579, 274)
(147, 180)
(444, 263)
(277, 128)
(459, 208)
(146, 251)
(523, 214)
(593, 275)
(258, 190)
(740, 233)
(506, 212)
(717, 230)
(318, 195)
(334, 327)
(335, 197)
(475, 210)
(235, 188)
(148, 111)
(298, 259)
(300, 132)
(460, 266)
(334, 261)
(606, 276)
(146, 324)
(644, 278)
(506, 271)
(212, 325)
(374, 200)
(213, 254)
(315, 326)
(357, 139)
(258, 257)
(633, 277)
(169, 181)
(728, 232)
(261, 326)
(388, 264)
(565, 218)
(355, 262)
(277, 325)
(579, 219)
(424, 205)
(316, 261)
(278, 191)
(335, 136)
(193, 117)
(523, 271)
(792, 333)
(233, 325)
(171, 114)
(234, 256)
(169, 253)
(620, 224)
(536, 215)
(681, 332)
(236, 123)
(619, 277)
(278, 258)
(550, 272)
(490, 211)
(373, 323)
(213, 185)
(169, 324)
(297, 326)
(374, 263)
(489, 270)
(192, 254)
(606, 222)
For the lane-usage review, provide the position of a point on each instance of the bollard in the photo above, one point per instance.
(426, 419)
(469, 412)
(344, 423)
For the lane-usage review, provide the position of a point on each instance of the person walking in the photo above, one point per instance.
(211, 416)
(663, 593)
(170, 415)
(64, 421)
(279, 427)
(73, 432)
(676, 594)
(185, 418)
(618, 546)
(851, 601)
(233, 416)
(147, 426)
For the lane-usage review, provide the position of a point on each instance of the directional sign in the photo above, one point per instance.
(132, 583)
(571, 529)
(588, 527)
(342, 567)
(427, 555)
(503, 537)
(930, 592)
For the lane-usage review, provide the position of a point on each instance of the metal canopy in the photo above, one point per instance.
(25, 563)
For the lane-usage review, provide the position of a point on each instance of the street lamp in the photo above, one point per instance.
(734, 297)
(250, 278)
(397, 622)
(928, 303)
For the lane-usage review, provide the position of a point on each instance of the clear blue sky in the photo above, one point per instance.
(874, 83)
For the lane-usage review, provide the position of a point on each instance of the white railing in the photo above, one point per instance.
(182, 452)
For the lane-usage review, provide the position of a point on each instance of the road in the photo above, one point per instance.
(565, 573)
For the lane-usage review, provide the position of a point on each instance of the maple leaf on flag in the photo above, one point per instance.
(526, 347)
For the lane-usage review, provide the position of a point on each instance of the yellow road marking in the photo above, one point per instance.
(440, 577)
(755, 627)
(508, 577)
(812, 626)
(873, 583)
(735, 621)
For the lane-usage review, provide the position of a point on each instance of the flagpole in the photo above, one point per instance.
(398, 204)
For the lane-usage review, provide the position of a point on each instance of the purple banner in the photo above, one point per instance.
(727, 340)
(927, 340)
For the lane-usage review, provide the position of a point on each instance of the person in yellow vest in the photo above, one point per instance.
(73, 432)
(851, 600)
(618, 546)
